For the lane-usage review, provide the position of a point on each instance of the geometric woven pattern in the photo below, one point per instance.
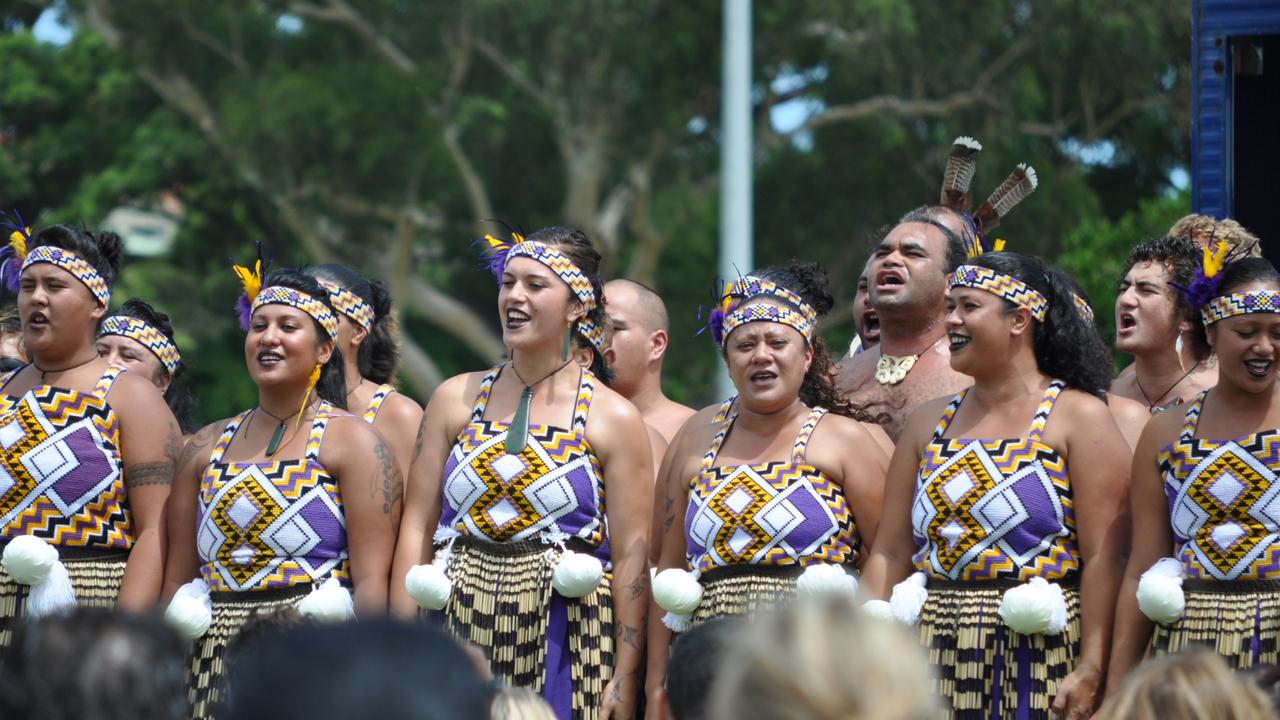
(994, 509)
(74, 264)
(274, 524)
(279, 295)
(146, 335)
(561, 265)
(60, 467)
(1257, 301)
(764, 312)
(1224, 502)
(1002, 286)
(750, 286)
(775, 513)
(375, 403)
(349, 303)
(552, 489)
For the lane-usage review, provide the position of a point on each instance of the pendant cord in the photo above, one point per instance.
(530, 385)
(1151, 404)
(69, 369)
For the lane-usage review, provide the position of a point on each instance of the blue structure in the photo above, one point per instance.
(1235, 124)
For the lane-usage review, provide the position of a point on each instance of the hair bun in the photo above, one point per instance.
(111, 247)
(381, 299)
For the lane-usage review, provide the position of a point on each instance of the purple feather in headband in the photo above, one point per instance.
(15, 251)
(497, 249)
(251, 279)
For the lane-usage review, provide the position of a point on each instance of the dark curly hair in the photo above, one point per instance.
(103, 250)
(809, 281)
(379, 354)
(332, 386)
(178, 396)
(1066, 346)
(577, 247)
(1180, 258)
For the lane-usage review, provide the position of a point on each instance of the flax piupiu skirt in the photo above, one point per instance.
(1237, 619)
(95, 574)
(504, 603)
(985, 669)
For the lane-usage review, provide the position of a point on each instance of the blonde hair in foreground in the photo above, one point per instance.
(520, 704)
(823, 659)
(1194, 685)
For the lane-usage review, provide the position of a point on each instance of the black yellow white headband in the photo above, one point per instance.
(1243, 303)
(74, 264)
(767, 312)
(1003, 286)
(349, 304)
(558, 262)
(145, 334)
(280, 295)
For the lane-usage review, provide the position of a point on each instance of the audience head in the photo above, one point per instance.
(1194, 685)
(375, 670)
(512, 703)
(12, 353)
(823, 658)
(697, 657)
(94, 664)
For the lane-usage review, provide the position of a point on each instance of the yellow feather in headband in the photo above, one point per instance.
(999, 245)
(250, 279)
(18, 242)
(1214, 259)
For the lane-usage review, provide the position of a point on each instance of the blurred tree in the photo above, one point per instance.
(383, 134)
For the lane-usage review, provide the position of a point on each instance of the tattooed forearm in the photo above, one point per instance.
(387, 478)
(629, 635)
(638, 586)
(152, 473)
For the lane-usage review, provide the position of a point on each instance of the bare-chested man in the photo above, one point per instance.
(1153, 324)
(908, 286)
(635, 354)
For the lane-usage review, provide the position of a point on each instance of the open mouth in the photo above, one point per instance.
(957, 341)
(516, 319)
(870, 325)
(269, 358)
(762, 377)
(37, 319)
(1258, 368)
(889, 278)
(1126, 322)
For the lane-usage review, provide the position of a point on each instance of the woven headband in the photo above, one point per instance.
(1082, 306)
(767, 312)
(1003, 286)
(349, 304)
(280, 295)
(145, 334)
(74, 264)
(751, 286)
(561, 265)
(593, 333)
(1245, 303)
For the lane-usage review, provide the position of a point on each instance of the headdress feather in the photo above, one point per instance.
(496, 249)
(1218, 254)
(251, 280)
(1020, 183)
(962, 161)
(12, 254)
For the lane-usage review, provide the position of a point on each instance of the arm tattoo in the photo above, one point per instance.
(152, 473)
(198, 443)
(391, 484)
(638, 586)
(173, 445)
(628, 635)
(417, 443)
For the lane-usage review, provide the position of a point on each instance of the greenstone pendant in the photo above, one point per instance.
(518, 430)
(273, 445)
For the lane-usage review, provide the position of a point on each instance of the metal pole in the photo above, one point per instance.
(735, 153)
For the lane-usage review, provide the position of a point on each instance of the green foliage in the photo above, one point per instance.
(322, 136)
